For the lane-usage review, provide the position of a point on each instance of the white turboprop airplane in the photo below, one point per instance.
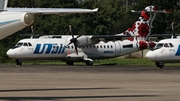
(15, 19)
(166, 51)
(87, 48)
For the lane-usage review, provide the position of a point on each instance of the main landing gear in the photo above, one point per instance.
(88, 63)
(69, 63)
(160, 64)
(18, 62)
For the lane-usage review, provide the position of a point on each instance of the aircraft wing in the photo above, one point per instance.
(109, 37)
(60, 11)
(157, 11)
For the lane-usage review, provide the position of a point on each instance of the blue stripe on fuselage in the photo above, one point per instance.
(7, 22)
(178, 51)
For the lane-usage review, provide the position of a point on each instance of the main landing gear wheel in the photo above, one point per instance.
(160, 65)
(89, 63)
(70, 63)
(18, 62)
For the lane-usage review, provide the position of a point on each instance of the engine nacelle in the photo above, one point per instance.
(85, 41)
(27, 19)
(12, 22)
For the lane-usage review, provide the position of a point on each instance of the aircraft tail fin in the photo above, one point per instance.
(3, 5)
(142, 28)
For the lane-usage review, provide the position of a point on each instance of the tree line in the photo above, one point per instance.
(113, 16)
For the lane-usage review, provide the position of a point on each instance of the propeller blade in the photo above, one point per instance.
(69, 43)
(73, 40)
(75, 45)
(78, 36)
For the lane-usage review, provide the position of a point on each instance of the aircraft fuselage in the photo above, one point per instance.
(56, 48)
(167, 50)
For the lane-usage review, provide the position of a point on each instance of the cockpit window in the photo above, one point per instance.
(166, 45)
(25, 44)
(29, 44)
(159, 45)
(19, 44)
(171, 45)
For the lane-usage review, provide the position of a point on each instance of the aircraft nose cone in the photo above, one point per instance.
(10, 53)
(150, 55)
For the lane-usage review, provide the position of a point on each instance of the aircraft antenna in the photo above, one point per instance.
(174, 35)
(32, 29)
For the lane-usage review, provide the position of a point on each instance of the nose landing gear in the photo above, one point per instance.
(160, 65)
(18, 62)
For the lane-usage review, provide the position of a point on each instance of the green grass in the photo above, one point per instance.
(117, 61)
(134, 62)
(125, 61)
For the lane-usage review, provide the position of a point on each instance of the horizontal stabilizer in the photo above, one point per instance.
(163, 35)
(156, 11)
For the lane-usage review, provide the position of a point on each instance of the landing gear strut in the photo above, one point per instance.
(18, 62)
(159, 64)
(89, 63)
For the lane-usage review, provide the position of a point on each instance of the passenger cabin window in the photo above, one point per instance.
(94, 46)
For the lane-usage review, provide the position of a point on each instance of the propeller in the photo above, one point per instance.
(73, 40)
